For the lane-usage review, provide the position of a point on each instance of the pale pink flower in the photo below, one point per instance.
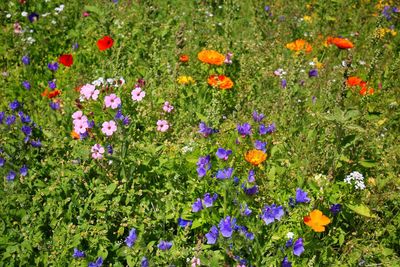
(109, 127)
(162, 125)
(89, 91)
(17, 28)
(112, 101)
(195, 262)
(80, 126)
(167, 107)
(138, 94)
(97, 151)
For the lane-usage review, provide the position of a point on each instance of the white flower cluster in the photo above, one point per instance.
(358, 179)
(110, 81)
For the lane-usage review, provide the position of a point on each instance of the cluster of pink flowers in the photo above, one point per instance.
(97, 151)
(89, 91)
(80, 122)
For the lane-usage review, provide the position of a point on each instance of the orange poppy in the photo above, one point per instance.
(211, 57)
(220, 81)
(255, 157)
(51, 94)
(340, 42)
(353, 81)
(317, 220)
(184, 58)
(299, 45)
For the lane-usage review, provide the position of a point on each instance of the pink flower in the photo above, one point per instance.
(112, 101)
(162, 125)
(109, 127)
(195, 262)
(17, 28)
(138, 94)
(78, 116)
(89, 91)
(97, 151)
(80, 126)
(167, 107)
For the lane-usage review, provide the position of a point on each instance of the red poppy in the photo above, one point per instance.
(340, 42)
(105, 43)
(183, 58)
(66, 59)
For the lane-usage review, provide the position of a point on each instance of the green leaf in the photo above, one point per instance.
(197, 223)
(362, 209)
(367, 163)
(111, 188)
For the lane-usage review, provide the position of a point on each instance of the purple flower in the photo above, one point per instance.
(272, 213)
(184, 223)
(298, 247)
(14, 105)
(335, 208)
(266, 130)
(11, 176)
(53, 66)
(313, 73)
(26, 130)
(97, 263)
(289, 243)
(33, 17)
(75, 46)
(258, 117)
(301, 196)
(164, 245)
(144, 262)
(110, 149)
(131, 239)
(260, 145)
(52, 84)
(78, 253)
(24, 118)
(54, 105)
(205, 130)
(36, 143)
(236, 180)
(245, 211)
(224, 173)
(2, 115)
(119, 115)
(197, 205)
(291, 202)
(228, 58)
(226, 226)
(250, 191)
(126, 120)
(2, 162)
(251, 177)
(23, 171)
(244, 129)
(209, 200)
(283, 83)
(26, 60)
(212, 236)
(27, 85)
(203, 165)
(10, 120)
(286, 262)
(223, 154)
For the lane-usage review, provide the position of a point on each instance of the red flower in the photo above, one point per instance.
(105, 43)
(66, 60)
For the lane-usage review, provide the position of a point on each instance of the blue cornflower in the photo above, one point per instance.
(244, 129)
(23, 171)
(97, 263)
(335, 208)
(54, 105)
(298, 247)
(223, 154)
(203, 165)
(286, 262)
(2, 162)
(209, 200)
(226, 226)
(33, 17)
(10, 120)
(301, 196)
(258, 117)
(205, 130)
(11, 176)
(144, 262)
(78, 253)
(313, 73)
(164, 245)
(14, 105)
(212, 235)
(260, 145)
(53, 66)
(52, 84)
(131, 239)
(184, 223)
(26, 60)
(224, 173)
(27, 85)
(272, 213)
(251, 178)
(197, 205)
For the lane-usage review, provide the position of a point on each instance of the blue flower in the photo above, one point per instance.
(97, 263)
(164, 245)
(14, 105)
(205, 130)
(11, 176)
(110, 150)
(26, 60)
(224, 173)
(244, 129)
(119, 115)
(301, 196)
(2, 115)
(286, 262)
(27, 85)
(36, 143)
(184, 223)
(10, 120)
(197, 205)
(251, 178)
(313, 73)
(131, 239)
(78, 253)
(144, 262)
(298, 247)
(266, 130)
(212, 236)
(226, 226)
(203, 165)
(335, 208)
(75, 46)
(33, 17)
(2, 162)
(208, 200)
(23, 171)
(223, 154)
(289, 243)
(250, 190)
(260, 145)
(52, 85)
(245, 211)
(272, 213)
(26, 130)
(24, 118)
(283, 83)
(258, 117)
(53, 66)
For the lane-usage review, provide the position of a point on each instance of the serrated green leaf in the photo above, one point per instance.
(362, 209)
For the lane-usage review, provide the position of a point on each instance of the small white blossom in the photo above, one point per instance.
(289, 235)
(24, 14)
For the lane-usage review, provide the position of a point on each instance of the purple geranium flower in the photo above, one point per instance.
(54, 105)
(212, 236)
(26, 130)
(298, 247)
(2, 115)
(184, 223)
(164, 245)
(131, 239)
(244, 129)
(224, 173)
(36, 143)
(272, 213)
(78, 253)
(223, 154)
(209, 200)
(258, 117)
(197, 205)
(226, 226)
(24, 118)
(266, 130)
(301, 196)
(97, 263)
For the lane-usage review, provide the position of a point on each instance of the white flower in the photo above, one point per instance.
(45, 14)
(289, 235)
(24, 14)
(8, 16)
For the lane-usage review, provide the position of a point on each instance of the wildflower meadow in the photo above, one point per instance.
(200, 133)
